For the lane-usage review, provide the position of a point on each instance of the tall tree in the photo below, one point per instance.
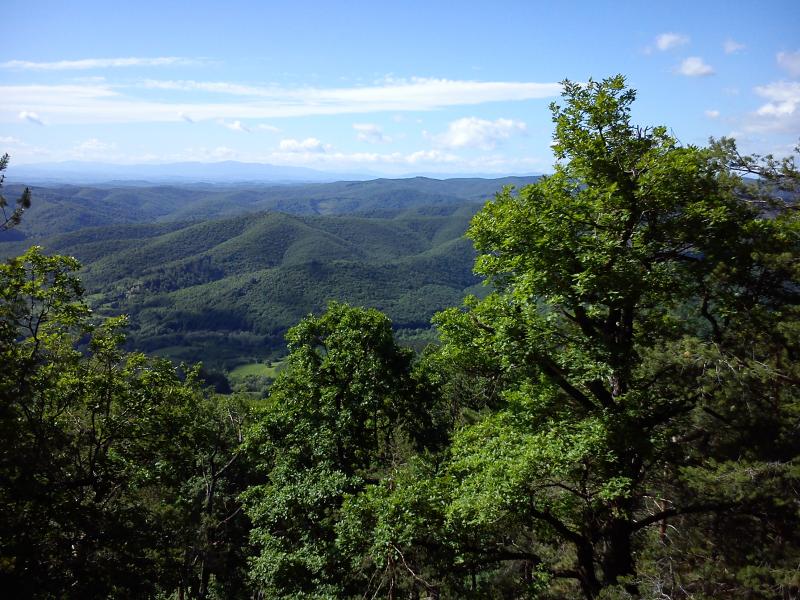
(337, 417)
(640, 353)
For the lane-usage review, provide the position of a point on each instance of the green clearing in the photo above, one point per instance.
(259, 369)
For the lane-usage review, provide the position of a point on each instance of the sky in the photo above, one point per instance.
(434, 87)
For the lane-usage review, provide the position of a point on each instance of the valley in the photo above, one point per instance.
(218, 274)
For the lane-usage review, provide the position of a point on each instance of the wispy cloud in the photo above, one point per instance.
(790, 62)
(670, 40)
(266, 127)
(781, 112)
(712, 114)
(98, 63)
(236, 126)
(472, 132)
(694, 66)
(783, 96)
(370, 133)
(185, 117)
(115, 104)
(93, 148)
(307, 145)
(31, 117)
(404, 90)
(217, 87)
(731, 46)
(403, 162)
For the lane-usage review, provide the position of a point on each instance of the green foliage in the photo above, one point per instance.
(627, 392)
(118, 477)
(340, 412)
(224, 291)
(23, 203)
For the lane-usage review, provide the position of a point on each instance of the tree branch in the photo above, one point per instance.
(677, 512)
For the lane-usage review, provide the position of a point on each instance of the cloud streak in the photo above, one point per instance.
(31, 117)
(237, 126)
(310, 145)
(105, 103)
(790, 62)
(98, 63)
(370, 133)
(694, 66)
(670, 40)
(780, 114)
(732, 46)
(472, 132)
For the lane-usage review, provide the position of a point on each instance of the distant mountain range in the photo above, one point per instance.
(225, 172)
(63, 208)
(80, 172)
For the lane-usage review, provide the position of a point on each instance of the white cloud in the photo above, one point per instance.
(783, 96)
(370, 133)
(472, 132)
(669, 40)
(731, 46)
(93, 148)
(307, 145)
(781, 112)
(97, 63)
(217, 87)
(185, 117)
(790, 61)
(82, 104)
(695, 67)
(31, 117)
(712, 114)
(291, 154)
(265, 127)
(7, 139)
(95, 145)
(236, 126)
(420, 161)
(193, 153)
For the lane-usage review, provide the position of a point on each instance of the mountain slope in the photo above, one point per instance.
(225, 290)
(66, 208)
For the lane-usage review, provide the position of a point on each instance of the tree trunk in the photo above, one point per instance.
(618, 560)
(586, 575)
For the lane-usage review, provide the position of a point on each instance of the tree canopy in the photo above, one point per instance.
(635, 372)
(118, 474)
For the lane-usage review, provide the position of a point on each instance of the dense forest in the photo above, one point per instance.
(199, 281)
(614, 415)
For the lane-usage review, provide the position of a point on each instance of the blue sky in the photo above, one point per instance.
(380, 87)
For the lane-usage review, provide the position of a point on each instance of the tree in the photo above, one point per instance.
(23, 203)
(641, 347)
(337, 417)
(118, 476)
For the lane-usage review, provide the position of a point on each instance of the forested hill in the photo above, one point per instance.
(224, 291)
(59, 209)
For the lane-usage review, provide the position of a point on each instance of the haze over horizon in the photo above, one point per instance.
(418, 88)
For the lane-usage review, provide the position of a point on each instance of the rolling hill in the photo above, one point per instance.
(65, 208)
(224, 291)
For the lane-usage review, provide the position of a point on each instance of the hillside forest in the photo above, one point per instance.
(593, 394)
